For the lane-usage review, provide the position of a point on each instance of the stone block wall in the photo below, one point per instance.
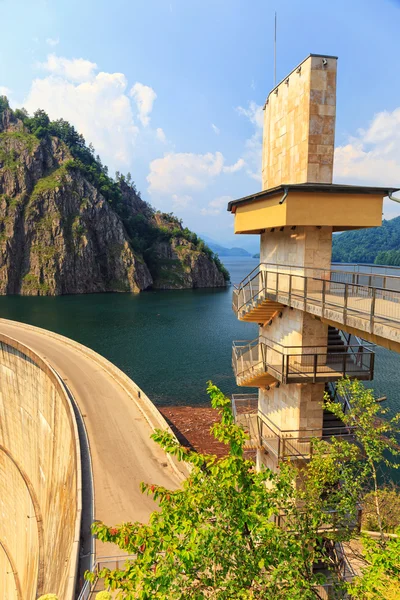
(295, 407)
(303, 246)
(299, 125)
(40, 492)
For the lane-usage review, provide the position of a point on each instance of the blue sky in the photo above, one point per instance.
(171, 90)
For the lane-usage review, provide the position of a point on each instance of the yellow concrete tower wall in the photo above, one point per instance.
(299, 125)
(40, 489)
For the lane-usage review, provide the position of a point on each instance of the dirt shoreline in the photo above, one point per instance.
(192, 425)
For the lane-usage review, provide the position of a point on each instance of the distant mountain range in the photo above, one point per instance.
(379, 245)
(222, 250)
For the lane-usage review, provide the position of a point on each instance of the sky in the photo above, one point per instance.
(172, 90)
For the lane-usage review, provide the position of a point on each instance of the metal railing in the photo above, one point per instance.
(89, 590)
(299, 364)
(334, 295)
(382, 276)
(244, 404)
(341, 573)
(296, 444)
(245, 413)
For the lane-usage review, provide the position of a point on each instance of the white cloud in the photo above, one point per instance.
(239, 164)
(183, 172)
(4, 91)
(179, 202)
(253, 145)
(254, 113)
(144, 97)
(52, 41)
(215, 129)
(215, 207)
(161, 135)
(75, 69)
(372, 157)
(98, 107)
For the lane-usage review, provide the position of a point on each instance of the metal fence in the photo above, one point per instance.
(300, 364)
(296, 444)
(89, 590)
(349, 298)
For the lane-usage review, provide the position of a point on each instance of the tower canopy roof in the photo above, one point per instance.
(310, 204)
(328, 188)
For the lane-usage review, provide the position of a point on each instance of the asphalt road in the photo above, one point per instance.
(121, 450)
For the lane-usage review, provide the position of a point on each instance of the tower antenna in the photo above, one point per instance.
(275, 51)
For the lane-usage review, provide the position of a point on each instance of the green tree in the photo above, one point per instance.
(376, 436)
(380, 573)
(3, 103)
(234, 532)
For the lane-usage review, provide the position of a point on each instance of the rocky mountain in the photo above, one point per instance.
(67, 228)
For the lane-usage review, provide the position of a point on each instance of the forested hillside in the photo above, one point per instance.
(379, 245)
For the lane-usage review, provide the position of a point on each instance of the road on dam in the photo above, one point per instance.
(122, 453)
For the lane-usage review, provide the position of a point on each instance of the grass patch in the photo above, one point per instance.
(9, 157)
(49, 183)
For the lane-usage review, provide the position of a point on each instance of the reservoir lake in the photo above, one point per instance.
(169, 342)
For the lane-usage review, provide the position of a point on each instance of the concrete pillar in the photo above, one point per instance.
(298, 145)
(299, 125)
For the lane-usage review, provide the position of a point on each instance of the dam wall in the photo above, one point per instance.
(40, 478)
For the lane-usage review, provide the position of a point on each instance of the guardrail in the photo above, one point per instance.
(334, 295)
(295, 443)
(299, 364)
(89, 589)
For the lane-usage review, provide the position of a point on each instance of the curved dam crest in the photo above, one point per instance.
(40, 467)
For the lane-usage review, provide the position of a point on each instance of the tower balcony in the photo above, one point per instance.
(366, 304)
(262, 362)
(286, 444)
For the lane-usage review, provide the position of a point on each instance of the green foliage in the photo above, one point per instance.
(380, 576)
(47, 184)
(144, 232)
(377, 437)
(103, 596)
(3, 104)
(379, 245)
(31, 283)
(391, 257)
(389, 502)
(219, 535)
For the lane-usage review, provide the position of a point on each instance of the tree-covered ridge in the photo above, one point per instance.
(144, 229)
(379, 245)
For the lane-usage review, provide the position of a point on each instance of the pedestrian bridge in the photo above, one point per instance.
(363, 300)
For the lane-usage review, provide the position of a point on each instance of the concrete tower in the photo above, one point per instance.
(297, 353)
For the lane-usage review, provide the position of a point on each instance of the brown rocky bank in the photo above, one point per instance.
(59, 235)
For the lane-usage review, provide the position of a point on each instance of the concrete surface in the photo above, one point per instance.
(118, 423)
(40, 478)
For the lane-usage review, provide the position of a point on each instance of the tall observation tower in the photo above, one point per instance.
(313, 317)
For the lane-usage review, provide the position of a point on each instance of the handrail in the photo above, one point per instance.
(89, 589)
(331, 270)
(363, 307)
(236, 344)
(295, 443)
(296, 363)
(327, 271)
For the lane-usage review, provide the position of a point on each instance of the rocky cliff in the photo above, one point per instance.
(62, 231)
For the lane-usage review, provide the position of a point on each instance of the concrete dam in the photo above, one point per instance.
(40, 491)
(49, 496)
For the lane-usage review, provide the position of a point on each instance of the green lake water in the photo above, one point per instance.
(169, 342)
